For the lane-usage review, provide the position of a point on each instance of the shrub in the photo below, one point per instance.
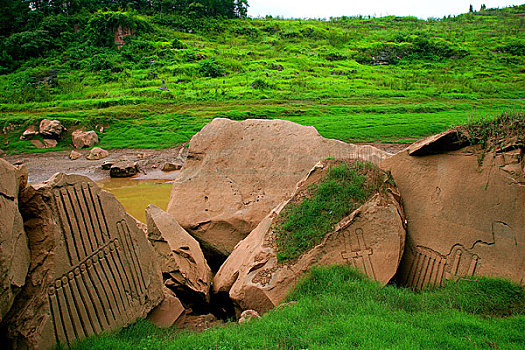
(211, 68)
(102, 25)
(177, 44)
(260, 84)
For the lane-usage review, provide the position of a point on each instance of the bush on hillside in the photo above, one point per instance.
(211, 68)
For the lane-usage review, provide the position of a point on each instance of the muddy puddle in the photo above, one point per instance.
(135, 195)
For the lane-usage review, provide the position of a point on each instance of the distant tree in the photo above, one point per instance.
(483, 7)
(471, 9)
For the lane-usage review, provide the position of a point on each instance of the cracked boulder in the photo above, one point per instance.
(14, 250)
(237, 172)
(83, 139)
(182, 262)
(92, 270)
(371, 239)
(465, 213)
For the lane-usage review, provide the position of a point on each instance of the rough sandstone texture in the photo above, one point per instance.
(180, 255)
(92, 269)
(237, 172)
(83, 139)
(97, 153)
(124, 169)
(169, 311)
(371, 239)
(14, 250)
(51, 129)
(463, 219)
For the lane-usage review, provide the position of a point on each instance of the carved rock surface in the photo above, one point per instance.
(14, 251)
(83, 139)
(92, 270)
(237, 172)
(97, 153)
(371, 239)
(168, 311)
(179, 254)
(463, 219)
(51, 128)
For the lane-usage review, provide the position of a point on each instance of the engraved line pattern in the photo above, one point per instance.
(429, 268)
(357, 253)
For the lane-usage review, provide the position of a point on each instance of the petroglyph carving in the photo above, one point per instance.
(100, 273)
(357, 253)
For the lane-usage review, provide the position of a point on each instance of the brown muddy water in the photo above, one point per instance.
(135, 195)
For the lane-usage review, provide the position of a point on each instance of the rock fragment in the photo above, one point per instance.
(97, 153)
(124, 169)
(83, 139)
(74, 155)
(51, 129)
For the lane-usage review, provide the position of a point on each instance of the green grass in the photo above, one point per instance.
(303, 224)
(339, 308)
(505, 130)
(314, 72)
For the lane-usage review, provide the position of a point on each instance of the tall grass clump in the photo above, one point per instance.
(508, 128)
(303, 223)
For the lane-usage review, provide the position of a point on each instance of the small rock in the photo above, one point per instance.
(165, 315)
(48, 143)
(74, 155)
(83, 139)
(107, 164)
(51, 128)
(247, 315)
(97, 153)
(124, 169)
(31, 131)
(168, 166)
(38, 143)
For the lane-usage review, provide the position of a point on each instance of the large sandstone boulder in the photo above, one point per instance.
(464, 218)
(179, 254)
(371, 239)
(14, 250)
(92, 270)
(83, 139)
(237, 172)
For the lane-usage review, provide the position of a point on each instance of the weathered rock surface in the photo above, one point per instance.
(74, 155)
(170, 166)
(97, 153)
(48, 143)
(179, 254)
(165, 315)
(371, 239)
(14, 250)
(247, 315)
(51, 128)
(446, 141)
(83, 139)
(124, 169)
(237, 172)
(463, 219)
(37, 143)
(92, 269)
(31, 131)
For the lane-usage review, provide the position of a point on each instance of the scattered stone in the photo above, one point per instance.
(31, 131)
(371, 239)
(165, 315)
(107, 164)
(97, 153)
(83, 139)
(463, 219)
(14, 251)
(247, 315)
(48, 143)
(51, 128)
(179, 254)
(169, 166)
(37, 143)
(124, 169)
(74, 155)
(85, 278)
(237, 172)
(446, 141)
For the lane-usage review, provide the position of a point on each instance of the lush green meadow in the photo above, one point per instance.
(338, 308)
(358, 79)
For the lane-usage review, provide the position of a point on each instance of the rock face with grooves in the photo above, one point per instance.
(463, 219)
(179, 254)
(237, 172)
(14, 250)
(92, 270)
(370, 239)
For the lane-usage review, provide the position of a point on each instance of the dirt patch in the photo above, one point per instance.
(42, 166)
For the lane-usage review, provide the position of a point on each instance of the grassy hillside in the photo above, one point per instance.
(390, 79)
(338, 308)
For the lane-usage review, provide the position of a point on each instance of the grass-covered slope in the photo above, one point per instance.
(356, 79)
(338, 308)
